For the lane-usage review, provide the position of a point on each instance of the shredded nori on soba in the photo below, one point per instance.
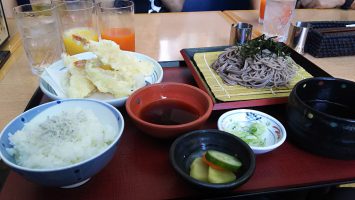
(261, 63)
(257, 45)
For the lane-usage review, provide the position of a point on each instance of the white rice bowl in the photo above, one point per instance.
(70, 163)
(60, 140)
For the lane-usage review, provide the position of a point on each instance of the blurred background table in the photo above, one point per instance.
(17, 84)
(340, 67)
(162, 36)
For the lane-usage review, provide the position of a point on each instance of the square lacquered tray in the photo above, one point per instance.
(188, 55)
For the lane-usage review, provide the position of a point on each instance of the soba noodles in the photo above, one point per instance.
(264, 70)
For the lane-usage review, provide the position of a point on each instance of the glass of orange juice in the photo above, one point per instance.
(262, 11)
(116, 22)
(77, 19)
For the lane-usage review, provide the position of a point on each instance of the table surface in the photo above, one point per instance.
(340, 67)
(161, 36)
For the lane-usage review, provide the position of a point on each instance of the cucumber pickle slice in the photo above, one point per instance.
(223, 160)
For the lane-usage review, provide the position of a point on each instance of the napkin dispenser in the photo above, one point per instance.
(330, 39)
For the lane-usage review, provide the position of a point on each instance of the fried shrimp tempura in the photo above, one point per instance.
(111, 81)
(78, 86)
(114, 71)
(108, 53)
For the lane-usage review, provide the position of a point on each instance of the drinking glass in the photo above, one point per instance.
(262, 11)
(77, 23)
(116, 23)
(278, 14)
(38, 27)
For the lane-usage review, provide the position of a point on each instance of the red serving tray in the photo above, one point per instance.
(140, 168)
(188, 55)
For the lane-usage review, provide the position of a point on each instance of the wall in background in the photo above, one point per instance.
(8, 6)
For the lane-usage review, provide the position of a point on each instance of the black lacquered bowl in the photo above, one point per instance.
(194, 144)
(321, 116)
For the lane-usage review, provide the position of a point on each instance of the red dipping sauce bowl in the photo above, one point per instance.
(167, 110)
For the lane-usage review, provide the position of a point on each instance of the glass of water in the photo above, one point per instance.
(38, 27)
(277, 18)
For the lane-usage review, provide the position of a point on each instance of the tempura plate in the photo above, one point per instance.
(58, 69)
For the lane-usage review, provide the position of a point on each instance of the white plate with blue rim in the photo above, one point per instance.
(55, 73)
(262, 132)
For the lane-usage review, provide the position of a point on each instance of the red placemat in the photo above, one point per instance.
(140, 168)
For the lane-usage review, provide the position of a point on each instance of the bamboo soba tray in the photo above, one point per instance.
(199, 61)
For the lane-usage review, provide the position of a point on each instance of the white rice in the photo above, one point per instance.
(60, 140)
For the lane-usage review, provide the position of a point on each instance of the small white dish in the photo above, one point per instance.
(52, 76)
(272, 136)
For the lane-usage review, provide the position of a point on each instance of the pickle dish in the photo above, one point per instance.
(262, 132)
(220, 148)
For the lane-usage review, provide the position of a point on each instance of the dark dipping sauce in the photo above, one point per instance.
(169, 112)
